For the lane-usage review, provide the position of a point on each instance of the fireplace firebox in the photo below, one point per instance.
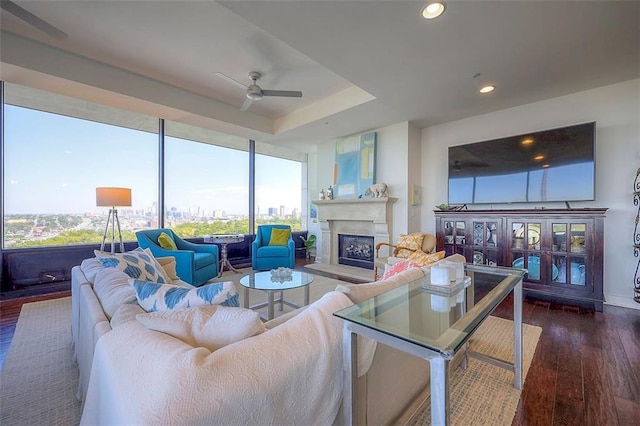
(356, 250)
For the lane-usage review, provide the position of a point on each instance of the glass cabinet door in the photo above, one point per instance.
(454, 236)
(485, 242)
(569, 262)
(526, 246)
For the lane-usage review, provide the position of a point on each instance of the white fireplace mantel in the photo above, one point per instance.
(362, 216)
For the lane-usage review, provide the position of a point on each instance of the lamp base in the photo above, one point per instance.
(113, 219)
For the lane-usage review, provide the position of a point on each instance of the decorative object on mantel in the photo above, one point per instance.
(355, 168)
(330, 193)
(321, 195)
(447, 208)
(636, 237)
(377, 190)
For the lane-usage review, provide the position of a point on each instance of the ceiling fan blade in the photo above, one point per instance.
(229, 79)
(284, 93)
(247, 103)
(32, 19)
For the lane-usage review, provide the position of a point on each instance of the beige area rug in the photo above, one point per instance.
(483, 394)
(39, 378)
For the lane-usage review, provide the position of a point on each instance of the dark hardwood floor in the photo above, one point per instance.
(586, 369)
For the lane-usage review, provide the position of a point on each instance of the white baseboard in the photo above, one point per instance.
(624, 302)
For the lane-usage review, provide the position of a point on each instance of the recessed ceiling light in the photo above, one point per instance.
(545, 166)
(487, 89)
(432, 10)
(538, 157)
(527, 141)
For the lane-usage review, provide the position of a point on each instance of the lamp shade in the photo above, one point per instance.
(113, 197)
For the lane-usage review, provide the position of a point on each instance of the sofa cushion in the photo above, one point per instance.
(423, 259)
(166, 241)
(410, 241)
(201, 260)
(125, 313)
(113, 290)
(279, 237)
(273, 251)
(90, 267)
(163, 297)
(360, 292)
(211, 327)
(138, 263)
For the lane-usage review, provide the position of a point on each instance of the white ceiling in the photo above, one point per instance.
(360, 64)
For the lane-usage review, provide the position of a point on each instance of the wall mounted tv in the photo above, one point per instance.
(546, 166)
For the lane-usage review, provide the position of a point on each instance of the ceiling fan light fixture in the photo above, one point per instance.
(432, 10)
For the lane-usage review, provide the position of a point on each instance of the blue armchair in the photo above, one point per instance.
(265, 257)
(195, 263)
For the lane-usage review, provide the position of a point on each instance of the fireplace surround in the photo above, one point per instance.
(364, 217)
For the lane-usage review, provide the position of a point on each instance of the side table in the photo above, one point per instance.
(223, 240)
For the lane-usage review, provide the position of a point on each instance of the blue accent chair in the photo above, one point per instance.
(195, 263)
(265, 257)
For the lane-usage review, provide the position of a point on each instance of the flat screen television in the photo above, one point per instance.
(551, 165)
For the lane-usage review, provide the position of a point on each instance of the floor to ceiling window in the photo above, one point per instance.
(58, 150)
(206, 182)
(53, 164)
(278, 191)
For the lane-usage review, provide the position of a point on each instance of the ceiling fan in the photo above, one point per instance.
(255, 92)
(31, 19)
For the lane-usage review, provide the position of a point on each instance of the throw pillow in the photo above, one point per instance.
(211, 327)
(166, 241)
(279, 237)
(412, 242)
(169, 266)
(399, 267)
(424, 259)
(164, 297)
(137, 263)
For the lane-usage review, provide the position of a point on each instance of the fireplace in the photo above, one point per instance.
(356, 250)
(369, 217)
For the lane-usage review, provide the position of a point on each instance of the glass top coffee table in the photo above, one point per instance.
(271, 285)
(454, 317)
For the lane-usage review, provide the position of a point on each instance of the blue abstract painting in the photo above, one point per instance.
(355, 166)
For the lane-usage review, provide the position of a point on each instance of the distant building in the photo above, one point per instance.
(273, 212)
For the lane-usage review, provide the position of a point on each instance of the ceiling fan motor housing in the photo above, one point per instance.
(254, 92)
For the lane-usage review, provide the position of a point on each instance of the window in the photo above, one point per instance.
(53, 164)
(278, 191)
(206, 185)
(58, 150)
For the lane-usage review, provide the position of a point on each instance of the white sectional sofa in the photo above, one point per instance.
(289, 374)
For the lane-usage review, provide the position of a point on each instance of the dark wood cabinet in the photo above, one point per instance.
(561, 249)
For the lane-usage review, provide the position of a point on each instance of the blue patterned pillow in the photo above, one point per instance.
(138, 263)
(154, 297)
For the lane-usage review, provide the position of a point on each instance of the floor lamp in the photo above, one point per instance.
(112, 197)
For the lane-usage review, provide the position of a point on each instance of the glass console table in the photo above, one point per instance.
(432, 323)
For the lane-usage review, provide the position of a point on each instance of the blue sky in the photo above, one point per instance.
(54, 163)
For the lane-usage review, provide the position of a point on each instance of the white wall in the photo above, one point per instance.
(616, 111)
(392, 153)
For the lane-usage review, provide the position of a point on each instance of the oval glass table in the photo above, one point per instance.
(266, 282)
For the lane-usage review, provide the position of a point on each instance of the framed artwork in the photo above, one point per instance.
(355, 165)
(415, 195)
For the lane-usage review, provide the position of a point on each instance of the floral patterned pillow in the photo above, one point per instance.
(411, 241)
(424, 259)
(398, 267)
